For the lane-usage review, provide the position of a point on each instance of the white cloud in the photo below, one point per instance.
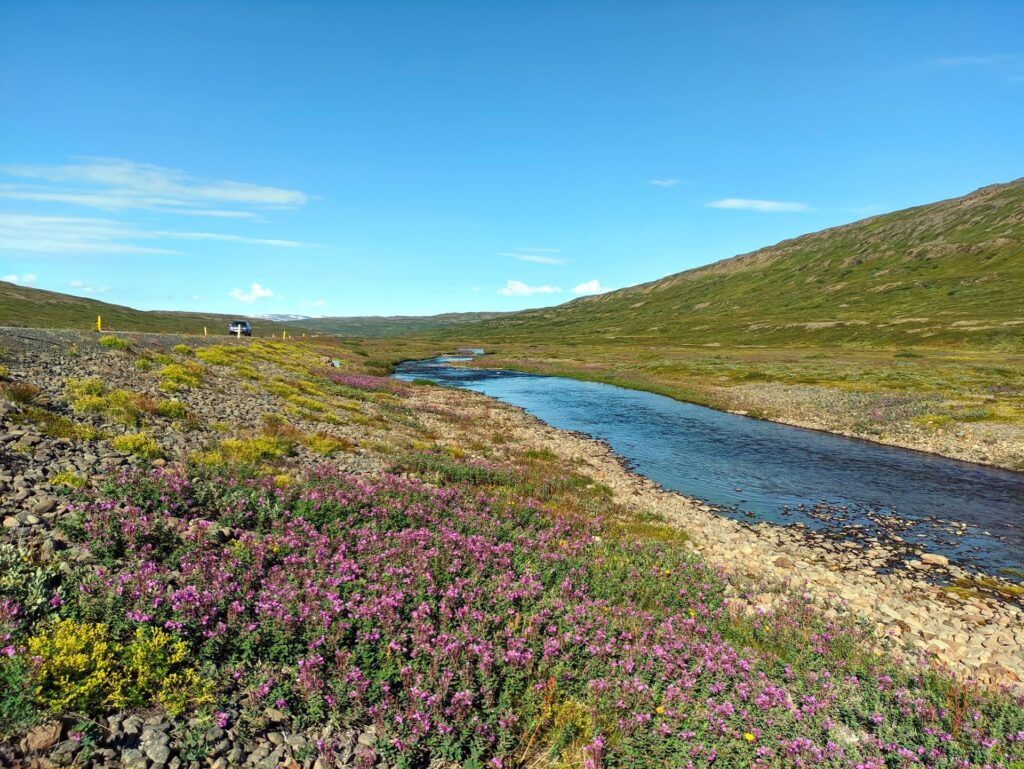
(319, 303)
(589, 287)
(114, 184)
(196, 297)
(36, 233)
(535, 258)
(256, 291)
(664, 182)
(28, 279)
(987, 60)
(81, 287)
(770, 206)
(518, 288)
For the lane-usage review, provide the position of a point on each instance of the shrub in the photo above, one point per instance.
(24, 393)
(183, 349)
(81, 669)
(78, 387)
(139, 444)
(172, 409)
(251, 451)
(68, 479)
(91, 396)
(144, 364)
(112, 342)
(175, 377)
(326, 444)
(220, 354)
(4, 371)
(57, 426)
(25, 585)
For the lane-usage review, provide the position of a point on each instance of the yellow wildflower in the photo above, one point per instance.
(748, 737)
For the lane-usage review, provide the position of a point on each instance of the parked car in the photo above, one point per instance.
(240, 327)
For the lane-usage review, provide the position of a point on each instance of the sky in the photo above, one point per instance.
(386, 157)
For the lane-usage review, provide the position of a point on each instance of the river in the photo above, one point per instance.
(752, 469)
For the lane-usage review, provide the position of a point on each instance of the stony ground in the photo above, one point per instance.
(979, 636)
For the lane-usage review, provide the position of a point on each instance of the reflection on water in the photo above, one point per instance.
(772, 472)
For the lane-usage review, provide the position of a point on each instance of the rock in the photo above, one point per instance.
(158, 752)
(935, 559)
(44, 505)
(43, 737)
(783, 562)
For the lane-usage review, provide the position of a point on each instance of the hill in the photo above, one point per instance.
(948, 273)
(37, 308)
(394, 325)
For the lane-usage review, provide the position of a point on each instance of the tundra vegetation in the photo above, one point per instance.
(473, 601)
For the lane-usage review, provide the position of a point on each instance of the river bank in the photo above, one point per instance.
(979, 636)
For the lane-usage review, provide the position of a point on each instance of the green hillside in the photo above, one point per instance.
(945, 274)
(394, 325)
(36, 308)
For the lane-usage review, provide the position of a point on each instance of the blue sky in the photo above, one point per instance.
(351, 158)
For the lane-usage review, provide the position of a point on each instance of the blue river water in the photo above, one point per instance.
(757, 470)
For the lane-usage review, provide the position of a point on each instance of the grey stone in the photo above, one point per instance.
(158, 752)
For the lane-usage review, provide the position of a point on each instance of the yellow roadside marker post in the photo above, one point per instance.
(99, 324)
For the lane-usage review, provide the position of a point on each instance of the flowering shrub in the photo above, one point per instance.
(140, 444)
(78, 668)
(487, 628)
(364, 381)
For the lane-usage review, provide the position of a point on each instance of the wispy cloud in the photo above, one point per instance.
(44, 234)
(518, 288)
(664, 182)
(81, 287)
(256, 291)
(1005, 66)
(536, 258)
(114, 184)
(589, 287)
(769, 206)
(987, 60)
(28, 279)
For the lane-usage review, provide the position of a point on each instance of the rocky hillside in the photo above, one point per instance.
(948, 273)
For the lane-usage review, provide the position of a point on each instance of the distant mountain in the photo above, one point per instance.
(948, 273)
(285, 317)
(394, 325)
(34, 307)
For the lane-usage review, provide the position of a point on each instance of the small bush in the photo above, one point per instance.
(78, 387)
(57, 426)
(251, 451)
(220, 355)
(112, 342)
(25, 584)
(175, 377)
(183, 349)
(68, 479)
(326, 444)
(81, 669)
(139, 444)
(144, 364)
(4, 372)
(172, 409)
(24, 393)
